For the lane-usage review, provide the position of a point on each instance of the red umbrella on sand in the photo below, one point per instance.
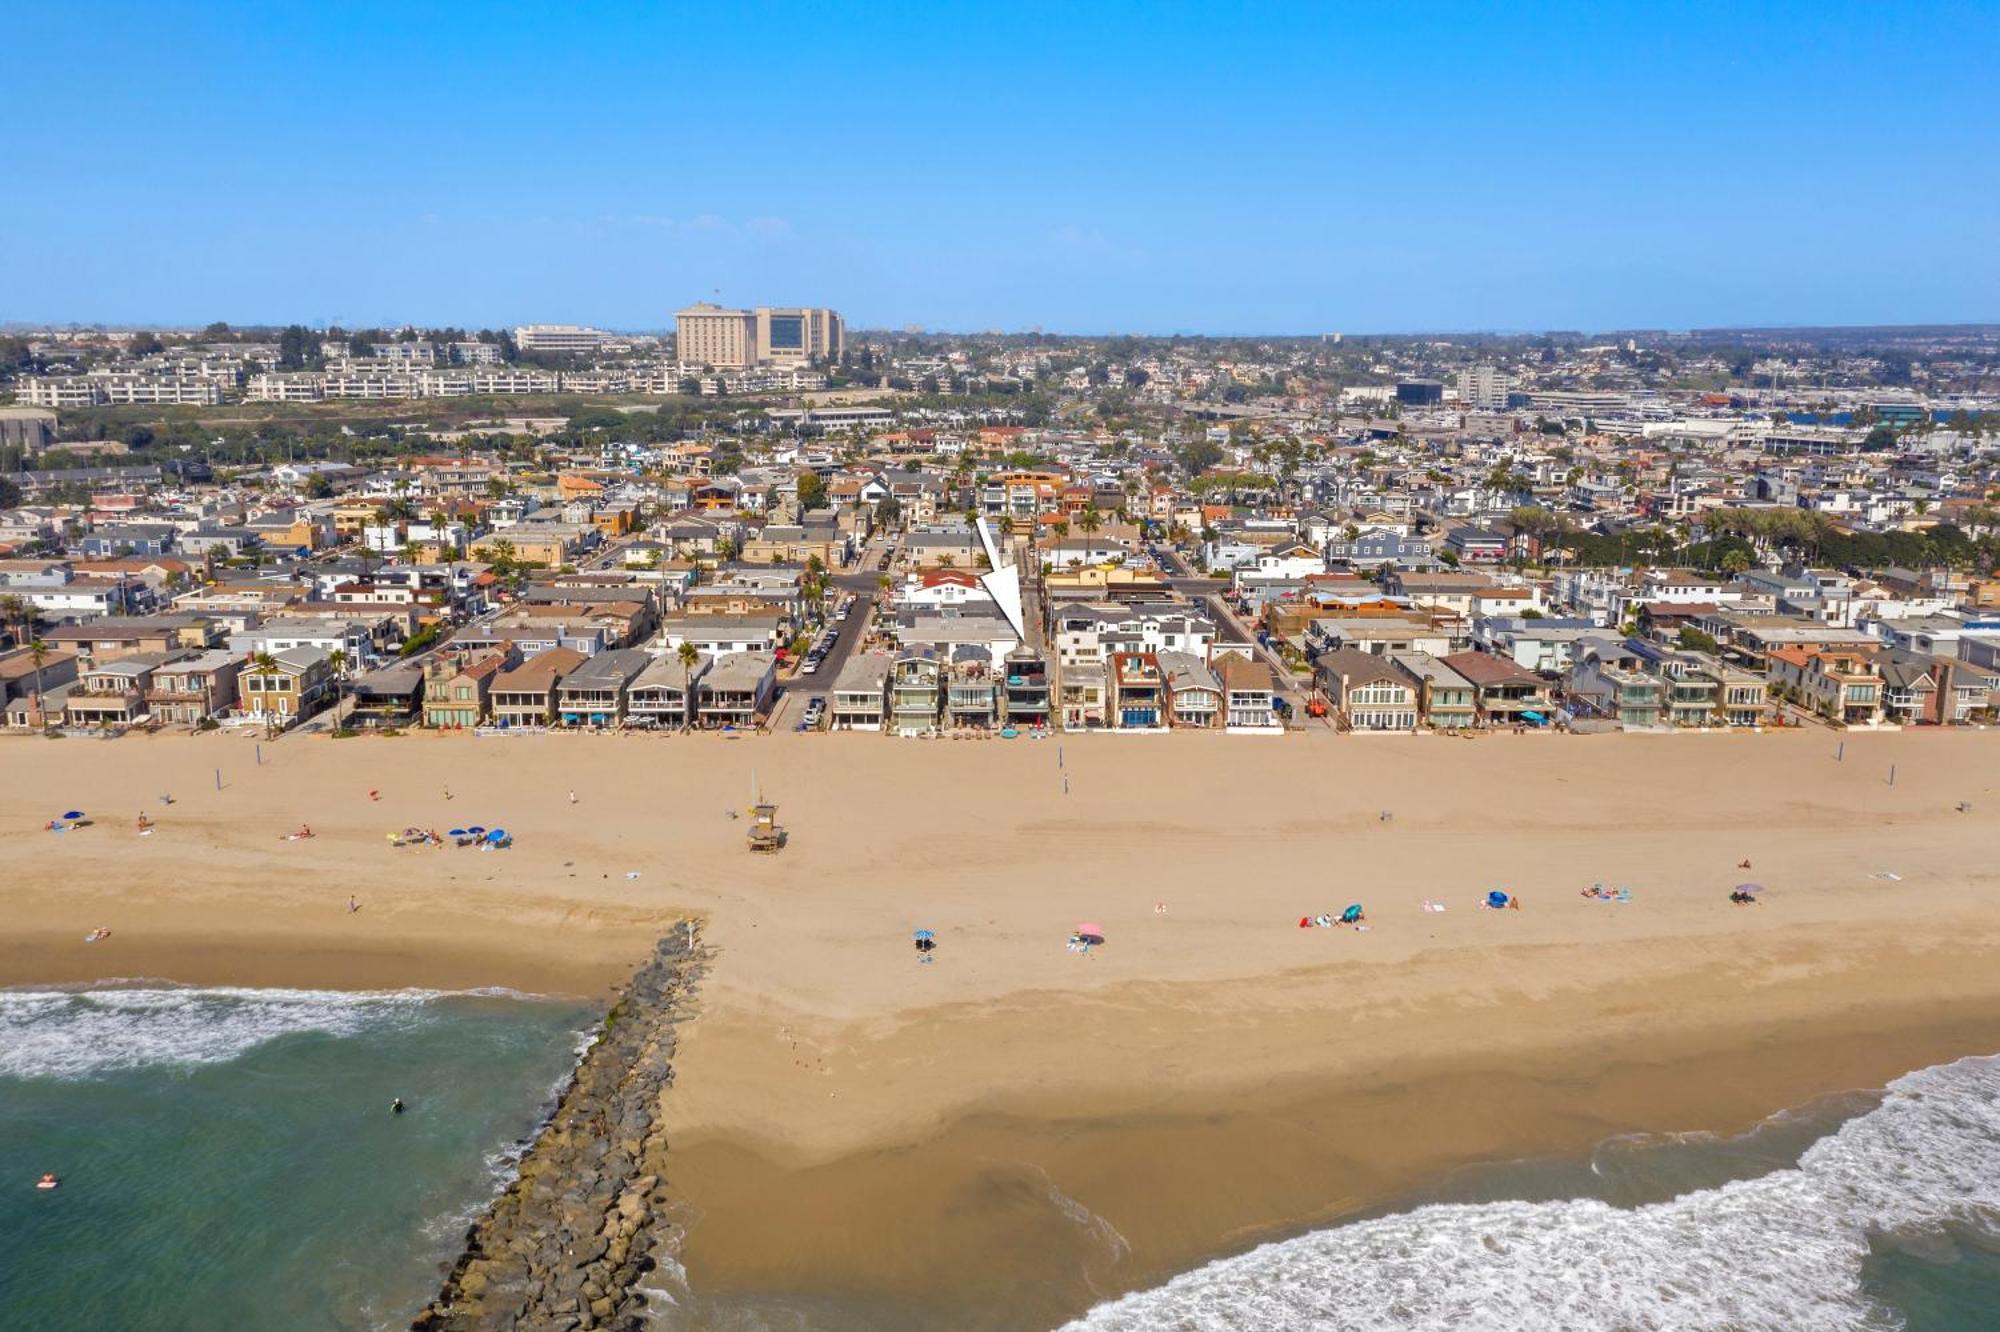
(1090, 931)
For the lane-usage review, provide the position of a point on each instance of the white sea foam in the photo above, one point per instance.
(1782, 1252)
(74, 1034)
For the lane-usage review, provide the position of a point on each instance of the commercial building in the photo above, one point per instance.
(709, 334)
(799, 335)
(559, 338)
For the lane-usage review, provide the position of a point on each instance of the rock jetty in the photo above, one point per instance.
(565, 1246)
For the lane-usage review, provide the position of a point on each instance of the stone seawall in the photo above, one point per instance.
(565, 1246)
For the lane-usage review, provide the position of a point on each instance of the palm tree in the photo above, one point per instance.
(689, 657)
(38, 652)
(338, 660)
(21, 613)
(1090, 519)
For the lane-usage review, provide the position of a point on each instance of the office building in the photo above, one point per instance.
(559, 338)
(1484, 387)
(797, 336)
(1420, 392)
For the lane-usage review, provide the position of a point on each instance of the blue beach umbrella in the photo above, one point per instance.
(1496, 898)
(497, 835)
(475, 831)
(456, 832)
(74, 815)
(923, 934)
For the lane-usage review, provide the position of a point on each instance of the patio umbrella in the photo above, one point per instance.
(1090, 931)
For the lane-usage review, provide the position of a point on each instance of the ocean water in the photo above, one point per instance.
(1861, 1214)
(228, 1159)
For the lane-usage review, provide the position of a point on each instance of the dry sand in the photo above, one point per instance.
(1049, 1128)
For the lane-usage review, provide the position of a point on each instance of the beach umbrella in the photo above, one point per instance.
(1352, 914)
(74, 815)
(475, 832)
(1090, 932)
(1752, 888)
(921, 935)
(1496, 898)
(456, 832)
(497, 835)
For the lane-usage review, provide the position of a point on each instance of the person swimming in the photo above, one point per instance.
(396, 1106)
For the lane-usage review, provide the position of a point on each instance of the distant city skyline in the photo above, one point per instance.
(1277, 171)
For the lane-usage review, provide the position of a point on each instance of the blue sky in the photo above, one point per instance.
(1083, 168)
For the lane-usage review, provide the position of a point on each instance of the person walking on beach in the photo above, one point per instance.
(572, 797)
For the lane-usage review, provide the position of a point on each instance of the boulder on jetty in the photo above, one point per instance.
(565, 1246)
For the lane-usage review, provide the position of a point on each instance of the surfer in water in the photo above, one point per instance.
(396, 1106)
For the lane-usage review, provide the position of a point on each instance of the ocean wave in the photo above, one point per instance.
(73, 1034)
(1781, 1252)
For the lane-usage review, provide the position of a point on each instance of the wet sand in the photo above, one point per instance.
(1022, 1130)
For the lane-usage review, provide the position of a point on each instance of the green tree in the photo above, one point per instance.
(689, 657)
(38, 652)
(297, 348)
(812, 491)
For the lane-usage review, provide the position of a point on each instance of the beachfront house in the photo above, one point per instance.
(1842, 686)
(284, 687)
(391, 695)
(915, 690)
(1194, 695)
(458, 688)
(1138, 692)
(1249, 695)
(1446, 700)
(1083, 692)
(594, 693)
(1505, 694)
(971, 687)
(113, 693)
(737, 691)
(526, 695)
(1027, 695)
(663, 693)
(860, 696)
(1607, 678)
(190, 690)
(1367, 691)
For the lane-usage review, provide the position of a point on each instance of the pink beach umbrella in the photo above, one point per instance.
(1091, 931)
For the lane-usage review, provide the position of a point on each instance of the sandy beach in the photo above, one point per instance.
(1046, 1127)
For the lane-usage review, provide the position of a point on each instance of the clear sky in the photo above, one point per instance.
(1209, 168)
